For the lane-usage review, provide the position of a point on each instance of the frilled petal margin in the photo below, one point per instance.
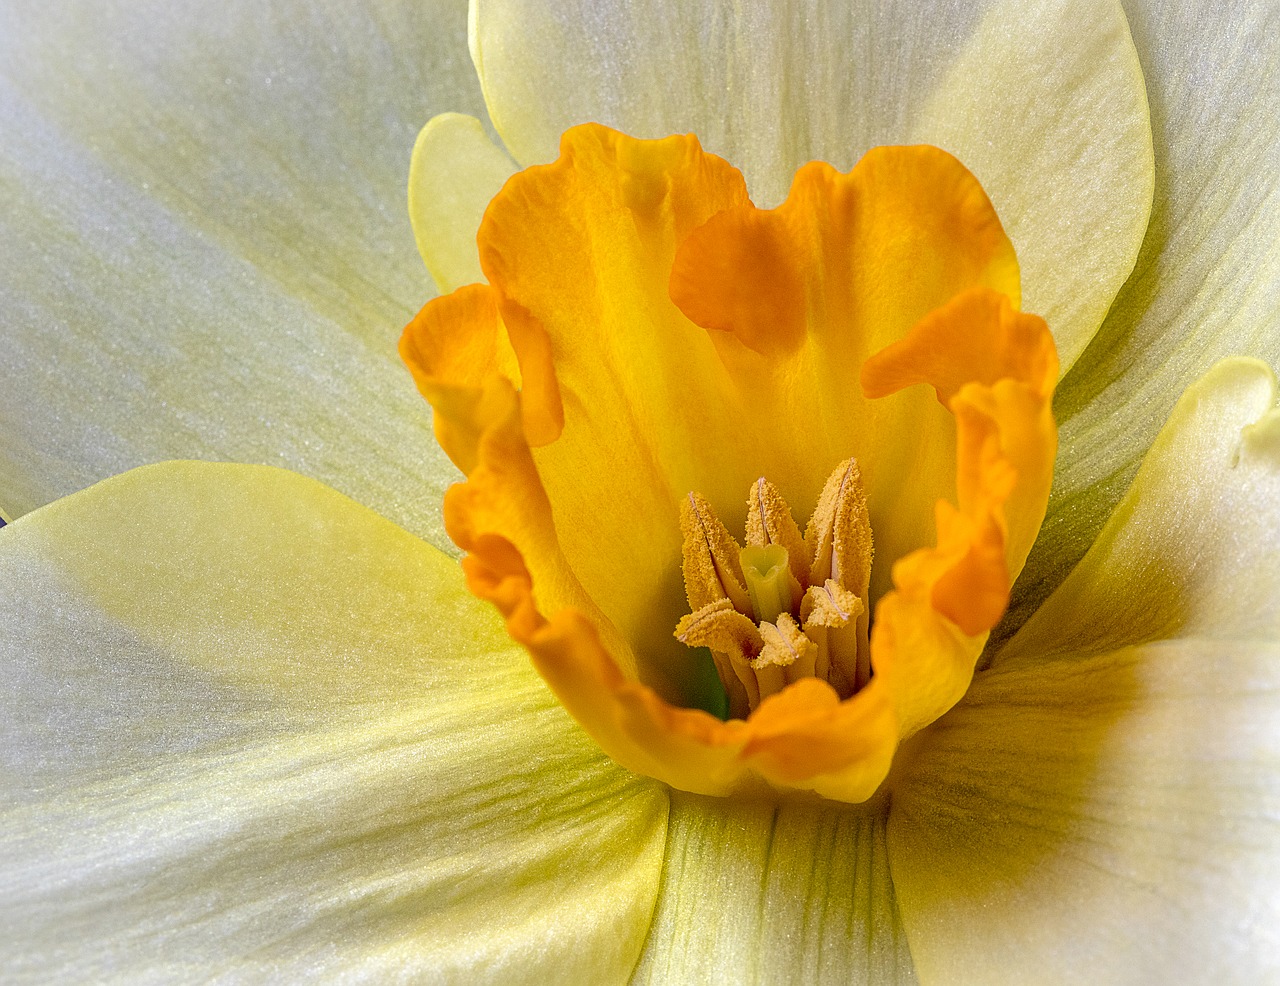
(880, 270)
(1044, 101)
(1104, 805)
(994, 368)
(252, 730)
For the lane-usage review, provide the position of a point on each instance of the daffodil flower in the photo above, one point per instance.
(254, 730)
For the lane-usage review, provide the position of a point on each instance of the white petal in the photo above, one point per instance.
(760, 893)
(252, 731)
(1207, 283)
(1044, 101)
(204, 250)
(1104, 805)
(1046, 105)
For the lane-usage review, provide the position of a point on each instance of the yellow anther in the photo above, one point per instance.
(831, 615)
(839, 534)
(788, 656)
(829, 605)
(769, 521)
(840, 550)
(711, 567)
(719, 626)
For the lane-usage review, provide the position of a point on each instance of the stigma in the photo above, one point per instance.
(786, 606)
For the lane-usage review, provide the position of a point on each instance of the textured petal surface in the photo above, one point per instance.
(1044, 101)
(1046, 104)
(203, 243)
(758, 894)
(254, 731)
(1104, 804)
(1207, 284)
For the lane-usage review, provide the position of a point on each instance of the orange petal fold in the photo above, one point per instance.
(994, 368)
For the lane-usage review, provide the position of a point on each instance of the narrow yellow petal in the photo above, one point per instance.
(455, 171)
(775, 894)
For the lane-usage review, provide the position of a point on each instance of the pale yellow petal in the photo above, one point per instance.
(1207, 282)
(456, 170)
(253, 731)
(762, 893)
(1074, 196)
(203, 246)
(1044, 101)
(1103, 806)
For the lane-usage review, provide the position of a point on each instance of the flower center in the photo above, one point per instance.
(787, 606)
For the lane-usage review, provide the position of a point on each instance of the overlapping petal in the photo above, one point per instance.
(1112, 779)
(1207, 283)
(1051, 118)
(252, 729)
(456, 171)
(1205, 113)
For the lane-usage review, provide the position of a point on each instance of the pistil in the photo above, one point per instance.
(768, 580)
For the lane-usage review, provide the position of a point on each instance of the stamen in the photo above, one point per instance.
(840, 547)
(711, 567)
(839, 534)
(769, 521)
(745, 601)
(788, 656)
(830, 614)
(733, 641)
(719, 626)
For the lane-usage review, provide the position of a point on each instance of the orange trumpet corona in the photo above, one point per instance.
(648, 346)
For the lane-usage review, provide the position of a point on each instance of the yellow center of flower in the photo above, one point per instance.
(786, 606)
(647, 331)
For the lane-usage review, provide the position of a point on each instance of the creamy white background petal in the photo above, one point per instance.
(1207, 283)
(755, 893)
(1104, 804)
(253, 732)
(1050, 116)
(203, 244)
